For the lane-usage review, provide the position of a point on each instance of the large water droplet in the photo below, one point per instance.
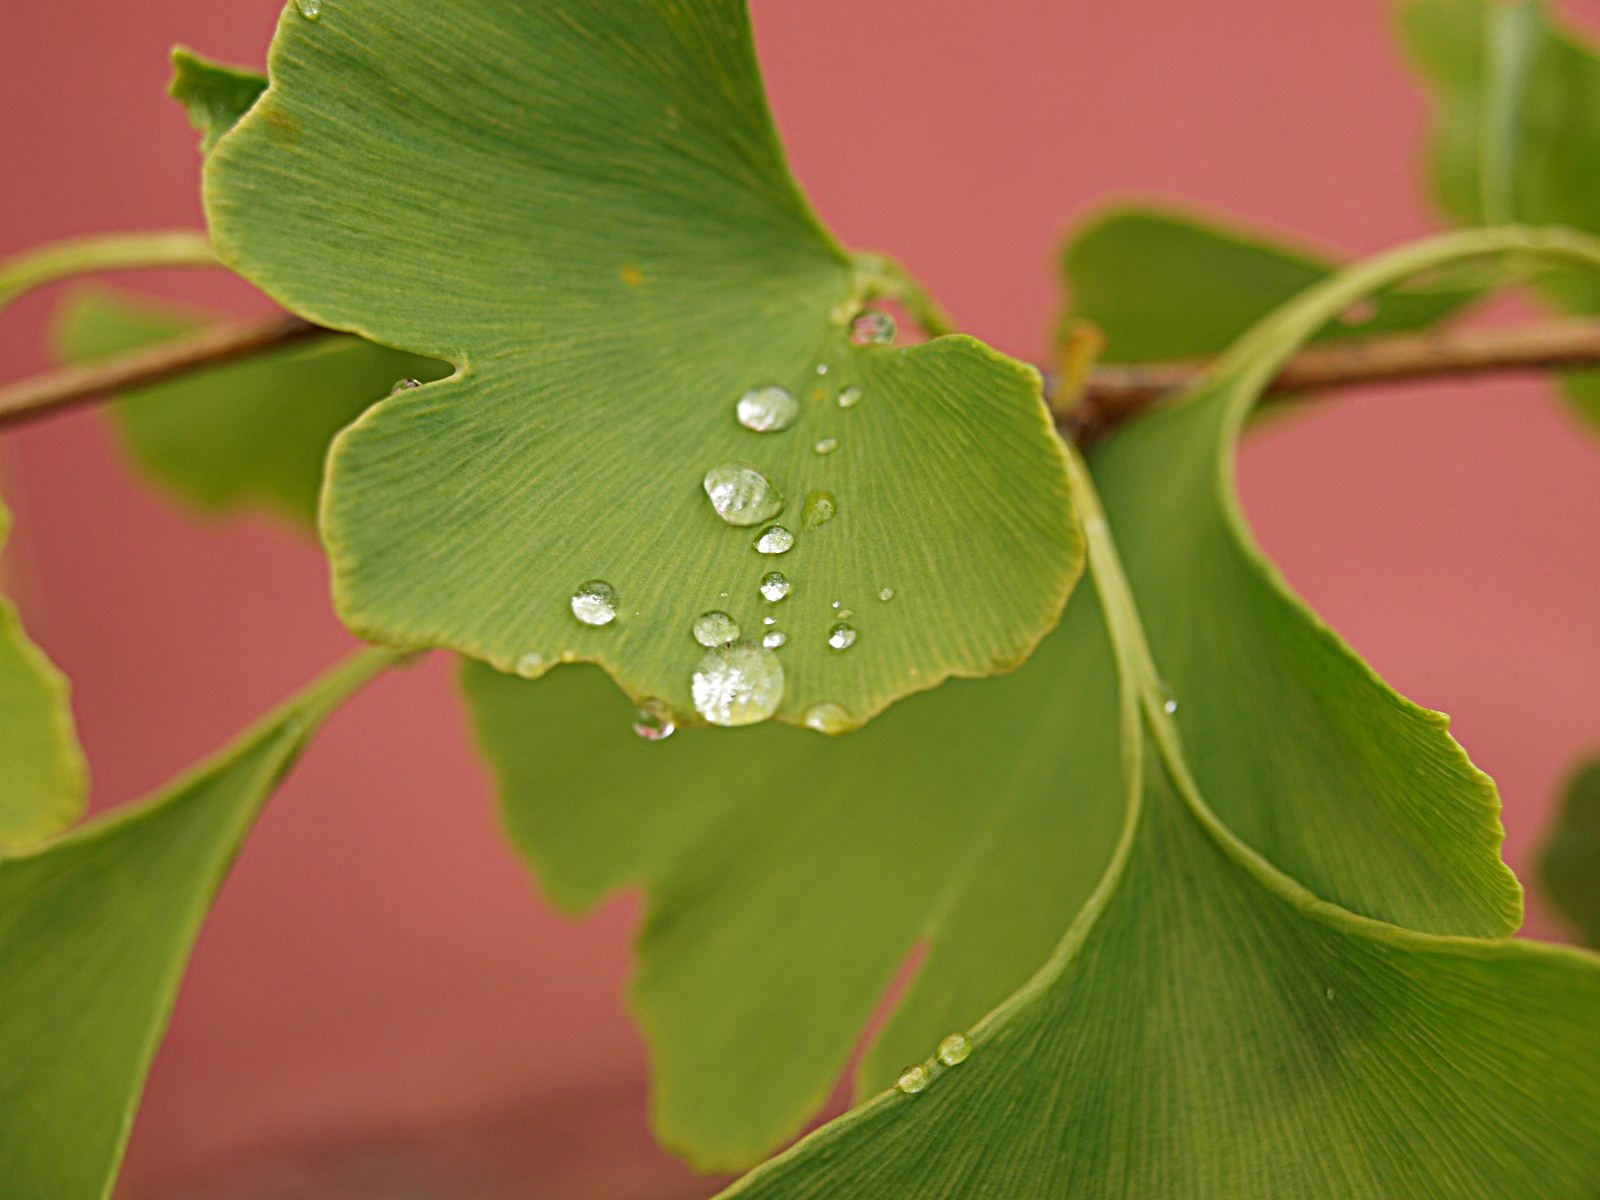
(826, 446)
(775, 539)
(913, 1079)
(872, 329)
(774, 638)
(737, 685)
(311, 10)
(595, 603)
(818, 510)
(775, 586)
(767, 409)
(850, 397)
(715, 629)
(653, 721)
(827, 717)
(530, 665)
(841, 636)
(741, 494)
(954, 1049)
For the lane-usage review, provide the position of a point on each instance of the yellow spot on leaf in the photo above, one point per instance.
(632, 276)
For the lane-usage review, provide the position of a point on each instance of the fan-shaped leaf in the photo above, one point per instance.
(42, 774)
(586, 210)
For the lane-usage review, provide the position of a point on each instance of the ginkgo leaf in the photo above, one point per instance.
(253, 432)
(1570, 866)
(43, 779)
(587, 212)
(95, 931)
(1517, 115)
(215, 95)
(1162, 284)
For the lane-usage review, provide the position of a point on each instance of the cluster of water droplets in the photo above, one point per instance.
(952, 1052)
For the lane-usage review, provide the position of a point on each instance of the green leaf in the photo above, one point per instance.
(254, 432)
(788, 876)
(1516, 102)
(95, 931)
(1162, 284)
(1210, 1028)
(214, 94)
(587, 212)
(1570, 867)
(43, 779)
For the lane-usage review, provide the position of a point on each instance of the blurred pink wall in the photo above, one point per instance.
(378, 958)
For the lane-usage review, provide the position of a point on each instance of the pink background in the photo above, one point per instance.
(378, 965)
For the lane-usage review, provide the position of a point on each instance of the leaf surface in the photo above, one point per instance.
(95, 932)
(586, 211)
(1570, 865)
(249, 433)
(43, 779)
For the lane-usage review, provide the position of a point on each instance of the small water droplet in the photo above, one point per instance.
(850, 397)
(715, 629)
(822, 368)
(912, 1080)
(767, 409)
(841, 636)
(775, 539)
(872, 329)
(775, 586)
(886, 594)
(836, 604)
(954, 1049)
(846, 613)
(826, 446)
(595, 603)
(827, 717)
(1328, 994)
(774, 639)
(1169, 702)
(769, 620)
(818, 510)
(311, 10)
(653, 721)
(405, 385)
(737, 685)
(530, 665)
(742, 495)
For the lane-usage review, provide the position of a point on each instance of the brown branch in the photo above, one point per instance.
(56, 390)
(1112, 394)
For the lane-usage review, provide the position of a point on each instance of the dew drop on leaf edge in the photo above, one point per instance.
(775, 586)
(912, 1080)
(653, 721)
(827, 717)
(530, 665)
(715, 628)
(742, 495)
(873, 329)
(954, 1049)
(311, 10)
(767, 409)
(405, 385)
(595, 603)
(736, 685)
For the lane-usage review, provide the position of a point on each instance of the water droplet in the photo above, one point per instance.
(311, 10)
(827, 445)
(742, 495)
(775, 586)
(595, 603)
(769, 620)
(850, 397)
(774, 639)
(767, 409)
(841, 636)
(872, 329)
(846, 613)
(775, 539)
(954, 1049)
(737, 685)
(530, 665)
(653, 721)
(818, 510)
(715, 629)
(827, 717)
(886, 594)
(1328, 994)
(836, 604)
(1169, 702)
(912, 1080)
(822, 368)
(405, 385)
